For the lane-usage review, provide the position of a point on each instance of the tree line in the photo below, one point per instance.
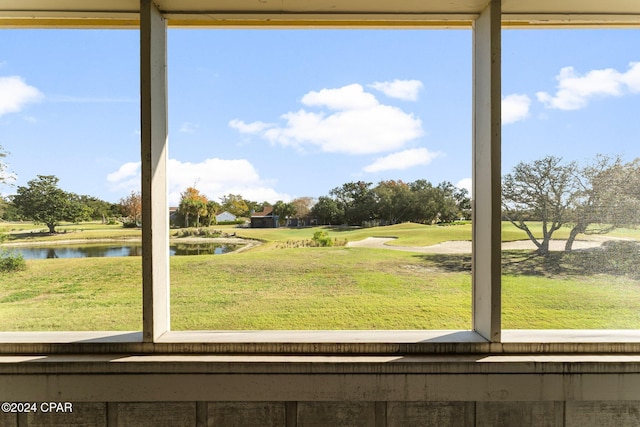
(592, 198)
(391, 202)
(43, 202)
(353, 203)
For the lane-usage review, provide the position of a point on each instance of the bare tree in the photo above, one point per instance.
(593, 199)
(302, 206)
(131, 207)
(544, 190)
(607, 197)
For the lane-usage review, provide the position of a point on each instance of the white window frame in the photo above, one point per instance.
(486, 334)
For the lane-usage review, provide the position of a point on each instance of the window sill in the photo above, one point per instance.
(324, 342)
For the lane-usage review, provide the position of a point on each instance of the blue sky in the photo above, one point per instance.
(283, 114)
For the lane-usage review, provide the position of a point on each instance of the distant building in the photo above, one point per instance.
(264, 219)
(225, 216)
(173, 215)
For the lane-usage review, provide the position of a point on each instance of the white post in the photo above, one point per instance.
(486, 172)
(155, 210)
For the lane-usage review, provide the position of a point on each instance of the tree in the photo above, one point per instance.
(192, 203)
(327, 211)
(99, 209)
(356, 201)
(43, 202)
(302, 207)
(591, 199)
(213, 208)
(393, 201)
(8, 211)
(5, 177)
(446, 202)
(463, 201)
(424, 207)
(5, 174)
(284, 211)
(131, 207)
(235, 204)
(544, 190)
(607, 197)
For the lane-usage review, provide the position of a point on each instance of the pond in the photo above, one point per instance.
(117, 250)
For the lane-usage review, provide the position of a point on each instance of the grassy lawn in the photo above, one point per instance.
(323, 288)
(73, 294)
(318, 288)
(580, 290)
(411, 234)
(407, 234)
(28, 232)
(596, 302)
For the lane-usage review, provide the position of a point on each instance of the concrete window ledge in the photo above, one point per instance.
(322, 366)
(255, 378)
(403, 342)
(305, 364)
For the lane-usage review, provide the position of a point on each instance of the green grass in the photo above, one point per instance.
(407, 234)
(318, 288)
(411, 234)
(28, 232)
(326, 288)
(597, 302)
(580, 290)
(631, 233)
(73, 294)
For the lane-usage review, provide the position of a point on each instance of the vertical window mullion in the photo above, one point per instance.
(486, 173)
(155, 210)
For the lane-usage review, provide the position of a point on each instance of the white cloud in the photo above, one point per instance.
(351, 97)
(358, 124)
(465, 183)
(632, 77)
(575, 90)
(188, 127)
(127, 178)
(242, 127)
(15, 94)
(515, 107)
(125, 171)
(213, 177)
(402, 160)
(406, 90)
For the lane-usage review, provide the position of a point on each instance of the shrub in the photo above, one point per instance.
(321, 238)
(618, 257)
(129, 223)
(199, 232)
(308, 243)
(236, 222)
(11, 262)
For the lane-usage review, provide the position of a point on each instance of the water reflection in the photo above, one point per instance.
(98, 251)
(201, 249)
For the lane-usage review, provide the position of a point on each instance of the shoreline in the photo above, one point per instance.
(247, 243)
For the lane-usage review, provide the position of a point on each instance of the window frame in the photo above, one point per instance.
(486, 334)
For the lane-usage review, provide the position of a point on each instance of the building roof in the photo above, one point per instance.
(317, 13)
(225, 213)
(268, 211)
